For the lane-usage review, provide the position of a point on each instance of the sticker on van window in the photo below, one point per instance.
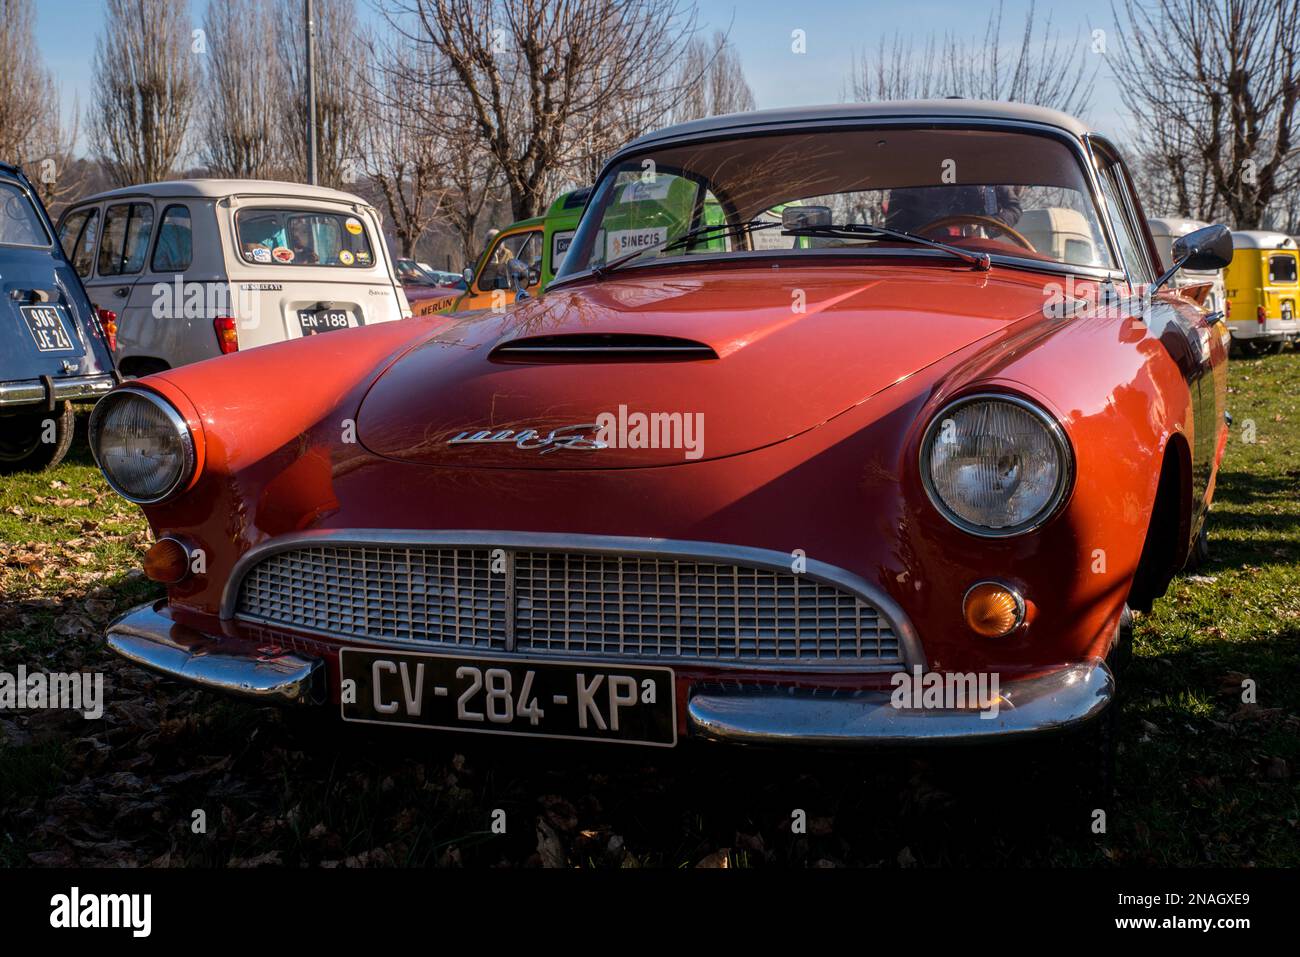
(363, 257)
(353, 225)
(623, 241)
(261, 254)
(282, 254)
(345, 257)
(638, 191)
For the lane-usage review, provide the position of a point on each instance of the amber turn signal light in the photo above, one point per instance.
(167, 561)
(993, 609)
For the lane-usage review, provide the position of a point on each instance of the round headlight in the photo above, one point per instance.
(996, 465)
(142, 445)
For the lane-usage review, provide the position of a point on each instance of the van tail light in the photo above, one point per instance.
(108, 326)
(1259, 315)
(1227, 309)
(227, 334)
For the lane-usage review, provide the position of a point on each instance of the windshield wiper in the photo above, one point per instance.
(981, 261)
(717, 231)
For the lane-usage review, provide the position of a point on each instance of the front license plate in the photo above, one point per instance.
(324, 320)
(49, 328)
(570, 699)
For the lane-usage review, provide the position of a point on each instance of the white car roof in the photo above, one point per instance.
(219, 188)
(1174, 225)
(949, 109)
(1262, 239)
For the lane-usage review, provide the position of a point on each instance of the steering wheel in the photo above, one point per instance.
(970, 219)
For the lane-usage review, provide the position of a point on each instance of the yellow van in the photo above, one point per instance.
(1263, 284)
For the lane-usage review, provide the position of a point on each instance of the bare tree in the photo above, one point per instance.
(145, 85)
(1039, 69)
(403, 158)
(242, 106)
(1169, 174)
(542, 78)
(474, 185)
(340, 75)
(712, 81)
(32, 132)
(1216, 82)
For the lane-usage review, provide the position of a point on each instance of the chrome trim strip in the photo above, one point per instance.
(908, 644)
(1056, 700)
(1064, 484)
(149, 638)
(177, 422)
(32, 391)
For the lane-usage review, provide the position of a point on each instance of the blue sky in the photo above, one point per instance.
(760, 30)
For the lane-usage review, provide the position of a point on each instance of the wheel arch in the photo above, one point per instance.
(1169, 529)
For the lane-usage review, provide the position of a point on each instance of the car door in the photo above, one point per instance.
(170, 321)
(123, 244)
(491, 286)
(1280, 295)
(1181, 325)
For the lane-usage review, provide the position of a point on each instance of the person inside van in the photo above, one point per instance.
(301, 241)
(259, 232)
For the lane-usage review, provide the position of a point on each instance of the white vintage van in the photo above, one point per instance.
(1165, 230)
(192, 269)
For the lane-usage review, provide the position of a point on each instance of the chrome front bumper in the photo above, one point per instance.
(149, 638)
(1056, 700)
(33, 391)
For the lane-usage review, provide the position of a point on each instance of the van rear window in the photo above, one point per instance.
(302, 237)
(1281, 268)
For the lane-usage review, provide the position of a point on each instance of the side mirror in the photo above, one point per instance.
(1206, 248)
(802, 217)
(517, 274)
(468, 274)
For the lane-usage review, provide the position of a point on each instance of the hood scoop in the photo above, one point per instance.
(602, 347)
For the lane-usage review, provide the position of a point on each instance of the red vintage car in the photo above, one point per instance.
(856, 425)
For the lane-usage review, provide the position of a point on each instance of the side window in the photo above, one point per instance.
(84, 258)
(173, 250)
(127, 228)
(524, 246)
(70, 229)
(1132, 247)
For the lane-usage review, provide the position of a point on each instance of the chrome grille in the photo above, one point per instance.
(580, 604)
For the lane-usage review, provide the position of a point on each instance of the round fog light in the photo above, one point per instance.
(167, 561)
(993, 609)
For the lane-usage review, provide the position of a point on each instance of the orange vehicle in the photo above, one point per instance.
(539, 243)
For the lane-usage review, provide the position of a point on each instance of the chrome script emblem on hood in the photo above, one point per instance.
(565, 437)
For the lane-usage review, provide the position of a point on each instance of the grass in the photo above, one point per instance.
(1205, 778)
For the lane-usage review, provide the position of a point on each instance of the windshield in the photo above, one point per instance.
(1000, 192)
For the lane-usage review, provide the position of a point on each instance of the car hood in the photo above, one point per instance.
(728, 360)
